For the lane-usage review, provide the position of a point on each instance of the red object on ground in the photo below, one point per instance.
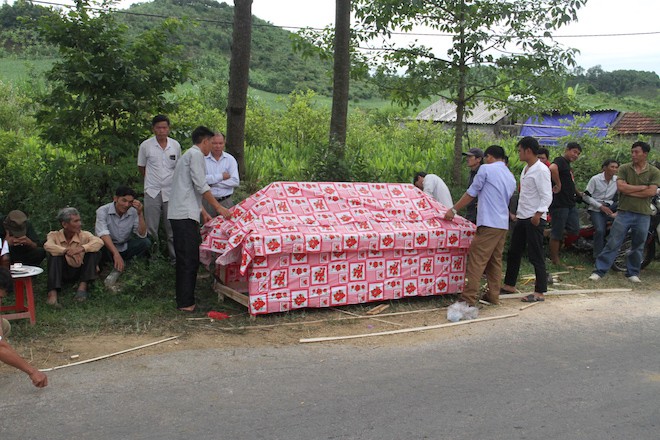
(217, 315)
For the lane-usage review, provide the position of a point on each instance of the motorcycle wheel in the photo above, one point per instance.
(647, 256)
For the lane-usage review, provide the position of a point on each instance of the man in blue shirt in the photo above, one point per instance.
(122, 227)
(493, 184)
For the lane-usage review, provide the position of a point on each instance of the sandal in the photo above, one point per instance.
(507, 292)
(81, 295)
(532, 298)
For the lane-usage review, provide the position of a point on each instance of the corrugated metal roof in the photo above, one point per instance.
(637, 123)
(444, 111)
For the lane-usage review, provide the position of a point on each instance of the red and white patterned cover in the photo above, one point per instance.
(314, 244)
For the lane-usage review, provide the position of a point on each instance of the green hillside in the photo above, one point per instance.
(276, 69)
(206, 37)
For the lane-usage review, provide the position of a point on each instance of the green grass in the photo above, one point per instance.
(16, 70)
(145, 304)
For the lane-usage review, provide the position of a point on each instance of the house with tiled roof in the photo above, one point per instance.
(633, 125)
(481, 117)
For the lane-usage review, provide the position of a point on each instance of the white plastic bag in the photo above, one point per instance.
(461, 310)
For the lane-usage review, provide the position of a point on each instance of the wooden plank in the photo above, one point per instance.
(318, 321)
(567, 292)
(375, 319)
(403, 330)
(109, 355)
(240, 298)
(378, 309)
(532, 276)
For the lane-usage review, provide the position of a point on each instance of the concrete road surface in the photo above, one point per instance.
(555, 372)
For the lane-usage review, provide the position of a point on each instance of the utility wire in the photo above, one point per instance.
(413, 34)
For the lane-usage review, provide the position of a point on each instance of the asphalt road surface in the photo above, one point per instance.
(590, 372)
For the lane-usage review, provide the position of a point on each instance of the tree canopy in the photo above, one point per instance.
(501, 52)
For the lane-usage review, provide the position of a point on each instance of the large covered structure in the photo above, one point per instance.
(307, 244)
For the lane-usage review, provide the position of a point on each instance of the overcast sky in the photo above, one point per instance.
(599, 17)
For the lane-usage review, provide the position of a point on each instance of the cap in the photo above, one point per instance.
(476, 152)
(16, 223)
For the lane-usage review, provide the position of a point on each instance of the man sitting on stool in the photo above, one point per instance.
(116, 224)
(221, 174)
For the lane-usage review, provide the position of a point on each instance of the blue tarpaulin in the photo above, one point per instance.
(549, 128)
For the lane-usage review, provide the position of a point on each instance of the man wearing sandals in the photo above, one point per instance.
(533, 203)
(73, 255)
(493, 184)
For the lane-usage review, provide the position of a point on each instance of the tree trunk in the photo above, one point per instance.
(341, 78)
(457, 172)
(460, 110)
(239, 68)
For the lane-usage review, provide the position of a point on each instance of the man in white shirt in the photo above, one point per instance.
(221, 174)
(157, 158)
(601, 194)
(435, 187)
(4, 254)
(188, 188)
(533, 203)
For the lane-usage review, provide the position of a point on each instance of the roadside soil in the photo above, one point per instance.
(204, 333)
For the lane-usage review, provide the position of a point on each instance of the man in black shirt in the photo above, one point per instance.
(564, 214)
(473, 159)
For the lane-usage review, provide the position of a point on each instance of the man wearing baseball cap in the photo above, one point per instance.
(24, 244)
(473, 159)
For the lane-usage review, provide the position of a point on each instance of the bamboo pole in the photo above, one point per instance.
(403, 330)
(567, 292)
(109, 355)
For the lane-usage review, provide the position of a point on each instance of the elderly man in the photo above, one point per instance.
(493, 184)
(157, 158)
(637, 183)
(188, 189)
(473, 160)
(121, 226)
(7, 354)
(73, 255)
(23, 241)
(221, 174)
(434, 186)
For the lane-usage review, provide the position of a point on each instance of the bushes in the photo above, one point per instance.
(289, 144)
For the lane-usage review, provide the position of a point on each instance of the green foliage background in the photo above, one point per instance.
(286, 133)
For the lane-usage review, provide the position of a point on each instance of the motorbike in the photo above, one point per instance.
(583, 241)
(648, 254)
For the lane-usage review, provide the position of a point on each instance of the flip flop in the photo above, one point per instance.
(507, 292)
(81, 295)
(532, 298)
